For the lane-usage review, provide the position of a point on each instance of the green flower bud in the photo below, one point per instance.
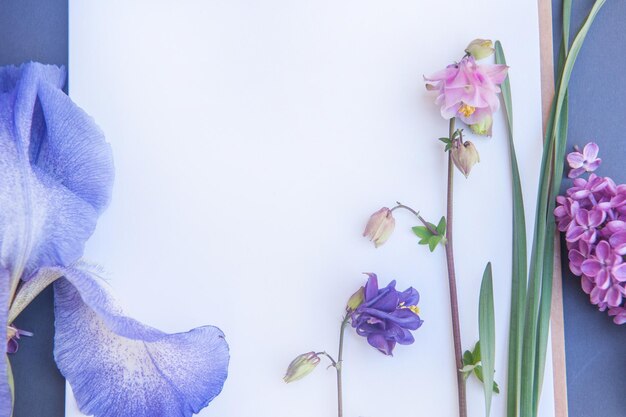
(483, 127)
(356, 299)
(301, 366)
(480, 48)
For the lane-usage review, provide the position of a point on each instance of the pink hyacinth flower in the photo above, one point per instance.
(467, 90)
(585, 161)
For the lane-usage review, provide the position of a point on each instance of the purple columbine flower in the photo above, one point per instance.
(57, 175)
(585, 161)
(387, 316)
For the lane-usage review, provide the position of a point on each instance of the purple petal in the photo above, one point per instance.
(379, 342)
(591, 267)
(575, 159)
(575, 173)
(5, 391)
(596, 217)
(574, 233)
(118, 367)
(619, 272)
(592, 166)
(57, 170)
(603, 279)
(614, 297)
(603, 251)
(590, 151)
(371, 287)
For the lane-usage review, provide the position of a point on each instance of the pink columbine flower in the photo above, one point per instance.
(585, 161)
(468, 91)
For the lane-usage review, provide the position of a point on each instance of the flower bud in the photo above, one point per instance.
(465, 156)
(356, 299)
(484, 126)
(380, 226)
(480, 48)
(301, 366)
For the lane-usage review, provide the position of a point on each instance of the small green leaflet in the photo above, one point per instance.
(427, 237)
(472, 365)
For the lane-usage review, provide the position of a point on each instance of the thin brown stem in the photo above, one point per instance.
(454, 304)
(417, 214)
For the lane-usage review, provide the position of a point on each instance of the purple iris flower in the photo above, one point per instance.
(387, 315)
(57, 175)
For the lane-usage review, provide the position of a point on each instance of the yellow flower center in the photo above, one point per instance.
(414, 309)
(467, 110)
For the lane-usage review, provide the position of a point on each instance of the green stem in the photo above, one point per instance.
(339, 365)
(454, 304)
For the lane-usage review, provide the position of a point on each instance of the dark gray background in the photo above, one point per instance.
(595, 347)
(596, 360)
(35, 30)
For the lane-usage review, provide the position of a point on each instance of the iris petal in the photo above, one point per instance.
(118, 367)
(48, 146)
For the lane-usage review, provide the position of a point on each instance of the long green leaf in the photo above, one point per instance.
(538, 305)
(519, 256)
(487, 334)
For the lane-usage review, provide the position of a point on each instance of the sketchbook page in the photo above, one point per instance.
(252, 140)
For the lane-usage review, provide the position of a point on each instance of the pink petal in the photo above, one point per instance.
(587, 284)
(590, 151)
(592, 166)
(591, 267)
(603, 251)
(614, 297)
(575, 159)
(596, 217)
(603, 279)
(619, 272)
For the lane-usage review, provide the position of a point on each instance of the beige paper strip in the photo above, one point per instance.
(557, 330)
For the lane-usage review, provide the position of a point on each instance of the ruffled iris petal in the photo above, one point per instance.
(57, 171)
(118, 367)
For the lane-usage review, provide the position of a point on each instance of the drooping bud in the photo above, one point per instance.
(356, 299)
(465, 156)
(301, 366)
(480, 48)
(380, 226)
(484, 126)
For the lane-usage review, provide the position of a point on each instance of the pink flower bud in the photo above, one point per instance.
(380, 226)
(465, 156)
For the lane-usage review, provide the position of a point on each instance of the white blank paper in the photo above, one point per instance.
(252, 140)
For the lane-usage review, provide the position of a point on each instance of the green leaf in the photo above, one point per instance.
(478, 371)
(422, 232)
(476, 353)
(433, 242)
(487, 333)
(533, 361)
(445, 140)
(11, 383)
(468, 358)
(441, 227)
(519, 256)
